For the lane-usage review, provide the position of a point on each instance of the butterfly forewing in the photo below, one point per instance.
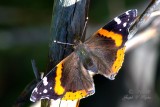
(107, 44)
(69, 80)
(44, 89)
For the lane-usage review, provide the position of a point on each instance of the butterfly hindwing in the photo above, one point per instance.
(107, 45)
(69, 80)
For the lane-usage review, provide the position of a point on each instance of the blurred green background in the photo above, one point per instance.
(24, 35)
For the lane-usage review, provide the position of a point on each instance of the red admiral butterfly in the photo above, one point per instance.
(103, 53)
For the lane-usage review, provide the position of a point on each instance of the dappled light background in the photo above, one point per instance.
(24, 35)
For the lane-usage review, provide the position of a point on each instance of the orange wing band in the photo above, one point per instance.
(59, 89)
(75, 95)
(116, 37)
(119, 60)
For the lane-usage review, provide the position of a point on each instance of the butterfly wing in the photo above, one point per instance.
(107, 45)
(69, 80)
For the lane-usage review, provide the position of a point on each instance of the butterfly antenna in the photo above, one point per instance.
(62, 43)
(84, 29)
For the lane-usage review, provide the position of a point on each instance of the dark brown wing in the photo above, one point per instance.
(107, 44)
(76, 79)
(69, 80)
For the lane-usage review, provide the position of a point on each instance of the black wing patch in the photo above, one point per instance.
(44, 89)
(121, 24)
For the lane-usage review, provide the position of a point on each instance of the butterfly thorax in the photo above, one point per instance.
(84, 55)
(82, 50)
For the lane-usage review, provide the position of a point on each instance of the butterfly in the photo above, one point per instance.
(102, 53)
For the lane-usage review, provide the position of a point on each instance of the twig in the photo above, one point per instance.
(144, 16)
(151, 30)
(68, 21)
(141, 38)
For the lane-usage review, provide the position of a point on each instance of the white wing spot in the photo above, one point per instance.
(35, 89)
(117, 20)
(40, 93)
(45, 82)
(33, 99)
(120, 29)
(47, 97)
(50, 88)
(127, 13)
(124, 24)
(128, 19)
(45, 91)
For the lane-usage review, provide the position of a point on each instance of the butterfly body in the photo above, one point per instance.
(103, 53)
